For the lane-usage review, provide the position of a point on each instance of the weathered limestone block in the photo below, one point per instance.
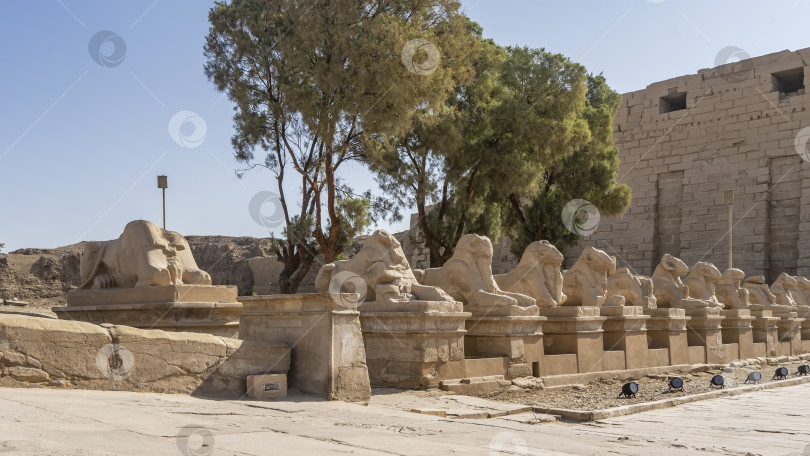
(804, 288)
(382, 266)
(637, 290)
(670, 291)
(467, 277)
(585, 283)
(47, 352)
(538, 275)
(328, 355)
(702, 282)
(144, 255)
(729, 293)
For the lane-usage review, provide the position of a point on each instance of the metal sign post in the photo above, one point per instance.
(163, 184)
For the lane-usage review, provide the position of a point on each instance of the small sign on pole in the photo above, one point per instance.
(163, 183)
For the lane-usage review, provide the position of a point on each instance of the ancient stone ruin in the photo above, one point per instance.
(376, 321)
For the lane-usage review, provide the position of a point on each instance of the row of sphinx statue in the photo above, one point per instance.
(538, 280)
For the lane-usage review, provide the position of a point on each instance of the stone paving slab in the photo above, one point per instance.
(75, 422)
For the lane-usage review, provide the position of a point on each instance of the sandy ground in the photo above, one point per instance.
(57, 422)
(603, 394)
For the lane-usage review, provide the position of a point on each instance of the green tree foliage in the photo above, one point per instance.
(335, 68)
(521, 111)
(589, 173)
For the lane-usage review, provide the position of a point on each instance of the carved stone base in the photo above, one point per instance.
(704, 330)
(765, 331)
(328, 354)
(626, 329)
(409, 343)
(737, 329)
(576, 330)
(666, 329)
(210, 309)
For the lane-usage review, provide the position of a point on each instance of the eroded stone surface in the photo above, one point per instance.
(537, 275)
(57, 353)
(585, 283)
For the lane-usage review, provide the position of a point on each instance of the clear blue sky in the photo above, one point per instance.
(81, 143)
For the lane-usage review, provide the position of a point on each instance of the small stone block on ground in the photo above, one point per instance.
(267, 387)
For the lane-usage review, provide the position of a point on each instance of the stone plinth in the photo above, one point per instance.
(513, 332)
(764, 328)
(666, 329)
(626, 329)
(804, 312)
(736, 328)
(575, 330)
(328, 355)
(411, 344)
(211, 309)
(790, 338)
(704, 330)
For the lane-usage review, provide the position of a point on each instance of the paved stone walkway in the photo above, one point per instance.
(772, 422)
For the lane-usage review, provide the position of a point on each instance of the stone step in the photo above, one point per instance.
(475, 385)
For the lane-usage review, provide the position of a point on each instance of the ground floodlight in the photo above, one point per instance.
(781, 373)
(754, 377)
(676, 384)
(804, 369)
(629, 390)
(718, 380)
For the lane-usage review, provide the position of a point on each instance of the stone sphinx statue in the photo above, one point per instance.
(787, 292)
(729, 292)
(670, 291)
(467, 277)
(537, 275)
(702, 282)
(759, 293)
(804, 288)
(144, 255)
(382, 266)
(636, 289)
(585, 283)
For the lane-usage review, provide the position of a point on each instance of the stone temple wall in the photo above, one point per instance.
(685, 140)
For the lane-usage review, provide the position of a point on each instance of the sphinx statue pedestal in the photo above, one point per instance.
(703, 329)
(626, 330)
(573, 330)
(765, 330)
(513, 332)
(666, 331)
(328, 355)
(804, 312)
(788, 328)
(211, 309)
(413, 344)
(736, 329)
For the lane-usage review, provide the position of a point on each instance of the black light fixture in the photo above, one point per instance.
(719, 381)
(781, 373)
(754, 377)
(676, 384)
(629, 390)
(804, 369)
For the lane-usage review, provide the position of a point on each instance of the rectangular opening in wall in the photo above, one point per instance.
(674, 101)
(788, 83)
